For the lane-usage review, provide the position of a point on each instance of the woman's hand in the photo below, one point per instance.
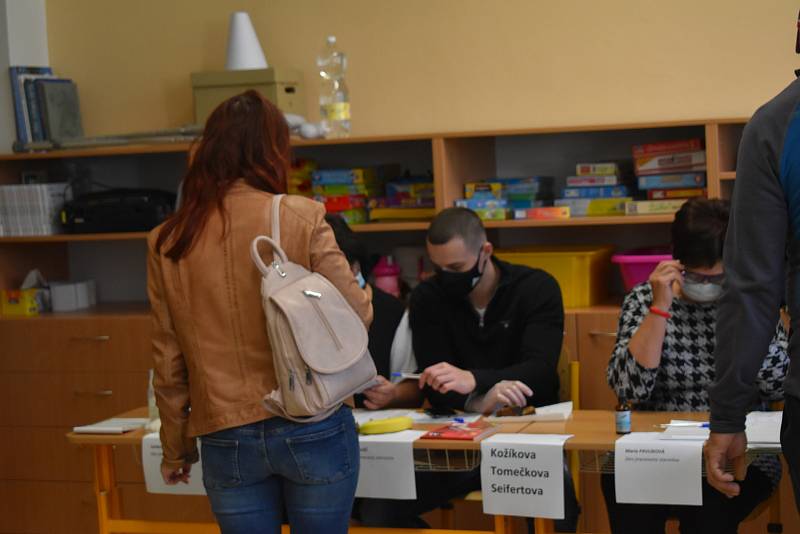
(662, 279)
(173, 475)
(379, 396)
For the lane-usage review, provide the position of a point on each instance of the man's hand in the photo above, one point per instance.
(379, 396)
(173, 475)
(718, 450)
(504, 393)
(444, 378)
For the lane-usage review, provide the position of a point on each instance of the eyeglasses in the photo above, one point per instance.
(699, 278)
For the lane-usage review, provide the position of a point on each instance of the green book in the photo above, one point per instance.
(61, 112)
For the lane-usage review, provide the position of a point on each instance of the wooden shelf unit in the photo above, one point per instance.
(453, 157)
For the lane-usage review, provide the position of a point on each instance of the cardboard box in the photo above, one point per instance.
(21, 302)
(72, 296)
(280, 86)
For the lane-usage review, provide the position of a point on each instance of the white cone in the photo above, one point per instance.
(244, 50)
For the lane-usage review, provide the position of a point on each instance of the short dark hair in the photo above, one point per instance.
(354, 250)
(457, 222)
(698, 232)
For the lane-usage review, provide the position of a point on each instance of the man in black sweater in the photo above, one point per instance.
(486, 333)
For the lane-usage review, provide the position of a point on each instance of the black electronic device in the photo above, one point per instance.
(117, 210)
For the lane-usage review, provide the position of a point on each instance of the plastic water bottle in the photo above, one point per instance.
(334, 99)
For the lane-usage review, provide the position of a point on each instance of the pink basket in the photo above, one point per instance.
(636, 265)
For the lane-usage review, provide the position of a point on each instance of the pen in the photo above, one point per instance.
(407, 376)
(691, 425)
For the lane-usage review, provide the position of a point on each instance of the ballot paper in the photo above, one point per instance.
(422, 418)
(686, 430)
(553, 412)
(763, 429)
(650, 470)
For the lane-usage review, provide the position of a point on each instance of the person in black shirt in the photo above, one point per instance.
(488, 334)
(389, 333)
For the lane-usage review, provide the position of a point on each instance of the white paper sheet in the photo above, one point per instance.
(115, 425)
(763, 429)
(387, 465)
(554, 412)
(152, 454)
(686, 430)
(522, 475)
(424, 419)
(649, 470)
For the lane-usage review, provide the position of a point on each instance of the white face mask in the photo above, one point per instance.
(360, 279)
(702, 292)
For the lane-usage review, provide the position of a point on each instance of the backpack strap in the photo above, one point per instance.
(276, 219)
(274, 241)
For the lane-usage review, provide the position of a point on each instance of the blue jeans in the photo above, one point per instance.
(253, 473)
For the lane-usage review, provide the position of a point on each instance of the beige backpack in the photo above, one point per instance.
(319, 343)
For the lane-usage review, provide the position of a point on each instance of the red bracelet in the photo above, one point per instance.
(660, 312)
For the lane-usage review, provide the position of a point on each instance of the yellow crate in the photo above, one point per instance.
(583, 272)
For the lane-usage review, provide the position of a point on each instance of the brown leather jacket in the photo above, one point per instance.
(212, 357)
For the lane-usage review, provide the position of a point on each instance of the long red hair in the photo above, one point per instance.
(245, 137)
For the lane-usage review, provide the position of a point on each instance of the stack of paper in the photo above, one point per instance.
(554, 412)
(115, 425)
(763, 429)
(31, 209)
(685, 430)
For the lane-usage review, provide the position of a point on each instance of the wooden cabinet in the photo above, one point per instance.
(42, 454)
(47, 507)
(90, 343)
(68, 399)
(596, 335)
(57, 372)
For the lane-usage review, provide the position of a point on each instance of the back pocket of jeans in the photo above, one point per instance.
(324, 457)
(220, 459)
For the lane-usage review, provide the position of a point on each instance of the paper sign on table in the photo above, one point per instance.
(649, 470)
(387, 465)
(523, 475)
(151, 463)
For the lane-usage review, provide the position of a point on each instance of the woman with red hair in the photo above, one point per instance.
(212, 356)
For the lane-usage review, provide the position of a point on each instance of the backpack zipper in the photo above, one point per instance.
(291, 380)
(313, 298)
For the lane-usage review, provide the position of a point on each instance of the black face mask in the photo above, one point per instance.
(459, 285)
